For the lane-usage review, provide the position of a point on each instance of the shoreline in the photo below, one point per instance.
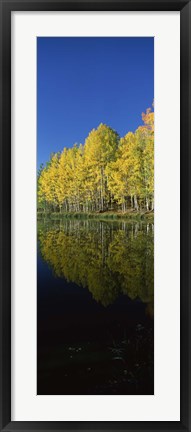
(115, 216)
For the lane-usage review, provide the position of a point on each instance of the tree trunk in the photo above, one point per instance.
(152, 205)
(136, 203)
(147, 204)
(101, 189)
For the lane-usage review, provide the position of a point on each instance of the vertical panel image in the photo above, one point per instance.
(95, 216)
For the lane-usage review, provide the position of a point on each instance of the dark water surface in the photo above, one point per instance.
(95, 307)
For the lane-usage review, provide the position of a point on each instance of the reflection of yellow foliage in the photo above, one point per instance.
(132, 258)
(107, 258)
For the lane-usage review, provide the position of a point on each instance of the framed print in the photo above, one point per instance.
(95, 215)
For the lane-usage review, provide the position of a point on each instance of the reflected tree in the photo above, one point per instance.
(108, 258)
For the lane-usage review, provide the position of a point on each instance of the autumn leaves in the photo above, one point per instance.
(106, 173)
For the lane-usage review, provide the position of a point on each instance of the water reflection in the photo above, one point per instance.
(108, 258)
(95, 307)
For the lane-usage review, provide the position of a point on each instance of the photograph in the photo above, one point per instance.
(95, 215)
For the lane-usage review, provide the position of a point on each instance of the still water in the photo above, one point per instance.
(95, 307)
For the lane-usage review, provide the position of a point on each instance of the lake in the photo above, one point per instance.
(95, 307)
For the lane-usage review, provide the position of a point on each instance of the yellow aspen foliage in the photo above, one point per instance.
(103, 174)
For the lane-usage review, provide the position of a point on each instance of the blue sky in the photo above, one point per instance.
(82, 82)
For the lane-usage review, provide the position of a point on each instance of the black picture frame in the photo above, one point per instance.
(6, 7)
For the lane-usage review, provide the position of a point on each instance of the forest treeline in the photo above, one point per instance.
(105, 173)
